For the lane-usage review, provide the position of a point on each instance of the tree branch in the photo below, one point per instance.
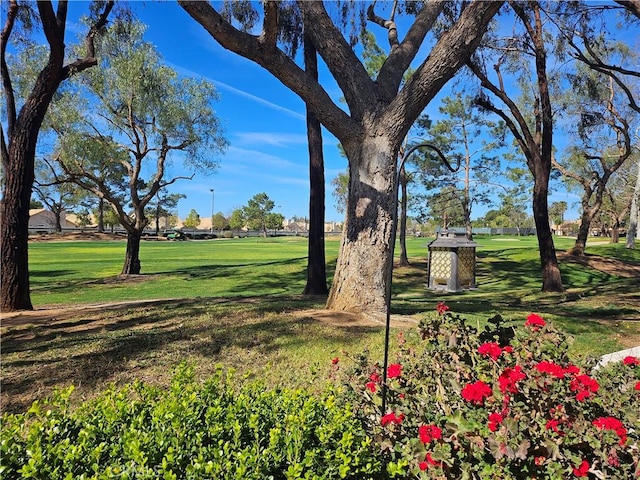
(90, 58)
(274, 61)
(402, 54)
(9, 96)
(448, 55)
(269, 34)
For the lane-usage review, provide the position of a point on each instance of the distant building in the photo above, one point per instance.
(43, 219)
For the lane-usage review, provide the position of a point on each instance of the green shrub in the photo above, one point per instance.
(504, 403)
(190, 430)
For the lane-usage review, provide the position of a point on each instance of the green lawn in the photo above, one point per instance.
(237, 303)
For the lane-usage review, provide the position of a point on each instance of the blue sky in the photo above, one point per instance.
(263, 121)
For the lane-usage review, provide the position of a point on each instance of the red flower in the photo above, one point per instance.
(509, 377)
(508, 349)
(495, 419)
(427, 433)
(335, 360)
(375, 377)
(539, 461)
(572, 370)
(372, 386)
(550, 368)
(612, 423)
(391, 418)
(428, 461)
(490, 349)
(535, 321)
(552, 425)
(637, 387)
(582, 470)
(394, 370)
(442, 308)
(631, 361)
(585, 386)
(476, 392)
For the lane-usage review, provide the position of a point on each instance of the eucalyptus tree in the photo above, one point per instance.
(316, 259)
(25, 111)
(140, 117)
(557, 211)
(588, 34)
(617, 202)
(379, 111)
(601, 144)
(471, 137)
(519, 93)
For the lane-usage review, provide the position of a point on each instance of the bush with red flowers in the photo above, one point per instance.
(503, 403)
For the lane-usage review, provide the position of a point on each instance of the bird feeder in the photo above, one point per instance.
(452, 262)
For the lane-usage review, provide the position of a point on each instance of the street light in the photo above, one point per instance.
(212, 196)
(394, 227)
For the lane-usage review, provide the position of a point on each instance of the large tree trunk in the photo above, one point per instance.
(18, 182)
(132, 256)
(57, 214)
(23, 130)
(316, 263)
(19, 176)
(359, 283)
(101, 215)
(379, 116)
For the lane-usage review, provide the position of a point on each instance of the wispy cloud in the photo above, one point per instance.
(259, 100)
(256, 159)
(237, 91)
(277, 139)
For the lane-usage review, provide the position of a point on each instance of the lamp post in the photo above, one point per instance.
(394, 226)
(212, 197)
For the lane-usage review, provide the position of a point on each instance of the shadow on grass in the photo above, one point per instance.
(90, 351)
(505, 283)
(254, 277)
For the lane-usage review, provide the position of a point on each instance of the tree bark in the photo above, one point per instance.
(359, 282)
(316, 262)
(19, 158)
(132, 256)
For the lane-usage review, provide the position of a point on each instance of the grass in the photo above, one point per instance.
(237, 303)
(230, 268)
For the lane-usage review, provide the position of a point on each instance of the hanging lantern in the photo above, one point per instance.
(452, 263)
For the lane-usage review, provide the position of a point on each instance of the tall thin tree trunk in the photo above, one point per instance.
(132, 256)
(101, 215)
(316, 262)
(634, 215)
(551, 278)
(57, 214)
(404, 259)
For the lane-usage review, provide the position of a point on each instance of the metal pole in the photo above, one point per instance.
(212, 197)
(394, 226)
